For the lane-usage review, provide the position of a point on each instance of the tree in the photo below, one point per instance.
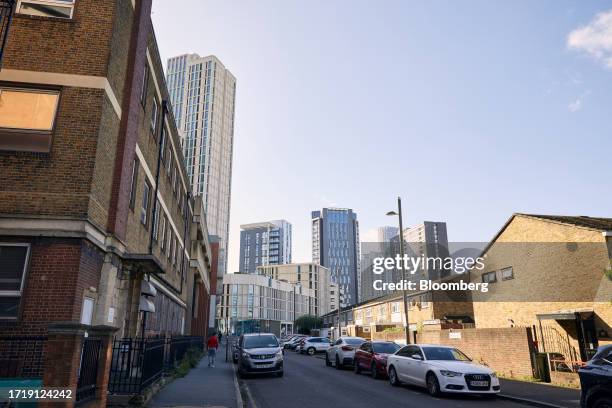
(306, 323)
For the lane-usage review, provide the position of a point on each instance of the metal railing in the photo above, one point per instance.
(7, 8)
(138, 363)
(22, 356)
(88, 370)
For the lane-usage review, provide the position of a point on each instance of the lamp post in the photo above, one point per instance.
(401, 249)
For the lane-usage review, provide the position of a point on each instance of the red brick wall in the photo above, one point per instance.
(505, 350)
(199, 324)
(59, 272)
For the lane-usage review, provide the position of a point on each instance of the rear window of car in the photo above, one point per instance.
(260, 341)
(387, 348)
(353, 342)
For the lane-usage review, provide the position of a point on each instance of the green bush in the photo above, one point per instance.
(190, 360)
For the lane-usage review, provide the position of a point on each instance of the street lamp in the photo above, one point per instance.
(401, 248)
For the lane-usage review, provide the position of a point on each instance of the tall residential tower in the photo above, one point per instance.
(202, 93)
(335, 245)
(263, 244)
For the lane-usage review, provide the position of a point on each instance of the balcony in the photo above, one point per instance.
(6, 14)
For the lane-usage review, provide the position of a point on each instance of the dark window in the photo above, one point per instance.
(387, 348)
(412, 350)
(146, 199)
(13, 262)
(134, 185)
(154, 117)
(444, 353)
(47, 8)
(145, 85)
(507, 273)
(489, 277)
(156, 219)
(404, 352)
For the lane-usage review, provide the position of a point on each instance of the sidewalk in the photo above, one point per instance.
(203, 386)
(540, 394)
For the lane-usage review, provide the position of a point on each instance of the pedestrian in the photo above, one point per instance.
(212, 345)
(220, 337)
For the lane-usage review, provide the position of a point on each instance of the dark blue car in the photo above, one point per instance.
(596, 380)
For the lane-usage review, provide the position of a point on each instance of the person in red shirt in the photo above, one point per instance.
(212, 345)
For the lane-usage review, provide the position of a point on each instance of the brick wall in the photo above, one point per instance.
(507, 351)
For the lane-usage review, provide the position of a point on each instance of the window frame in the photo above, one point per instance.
(491, 273)
(501, 271)
(154, 115)
(134, 183)
(20, 292)
(30, 134)
(146, 198)
(144, 90)
(71, 4)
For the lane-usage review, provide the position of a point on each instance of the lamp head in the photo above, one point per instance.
(391, 213)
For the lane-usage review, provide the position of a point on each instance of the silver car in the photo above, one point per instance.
(259, 353)
(342, 352)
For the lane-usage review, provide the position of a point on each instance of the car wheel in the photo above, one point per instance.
(433, 386)
(327, 360)
(374, 371)
(338, 365)
(603, 403)
(393, 377)
(311, 351)
(357, 367)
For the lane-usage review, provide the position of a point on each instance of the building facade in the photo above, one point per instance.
(264, 243)
(335, 245)
(95, 207)
(253, 303)
(386, 233)
(203, 92)
(309, 275)
(549, 272)
(428, 239)
(369, 251)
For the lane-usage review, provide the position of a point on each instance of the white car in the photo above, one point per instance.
(314, 345)
(342, 352)
(440, 369)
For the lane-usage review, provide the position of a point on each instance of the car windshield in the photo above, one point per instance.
(353, 342)
(260, 342)
(387, 348)
(444, 353)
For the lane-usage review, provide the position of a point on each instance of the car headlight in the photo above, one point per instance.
(493, 374)
(279, 354)
(246, 355)
(448, 373)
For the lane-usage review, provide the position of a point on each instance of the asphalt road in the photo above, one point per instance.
(309, 383)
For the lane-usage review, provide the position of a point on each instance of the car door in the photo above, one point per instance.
(333, 350)
(418, 368)
(367, 355)
(408, 365)
(324, 344)
(402, 364)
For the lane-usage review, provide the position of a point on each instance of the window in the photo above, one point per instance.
(134, 183)
(47, 8)
(27, 118)
(170, 243)
(489, 277)
(156, 219)
(145, 84)
(507, 273)
(163, 233)
(146, 198)
(14, 260)
(154, 116)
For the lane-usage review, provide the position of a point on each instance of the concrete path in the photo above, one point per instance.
(203, 386)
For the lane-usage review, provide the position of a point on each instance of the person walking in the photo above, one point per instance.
(220, 337)
(212, 345)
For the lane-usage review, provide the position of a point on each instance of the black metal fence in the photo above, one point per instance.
(138, 363)
(6, 14)
(22, 356)
(88, 370)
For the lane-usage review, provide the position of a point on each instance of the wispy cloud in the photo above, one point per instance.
(595, 38)
(576, 104)
(325, 201)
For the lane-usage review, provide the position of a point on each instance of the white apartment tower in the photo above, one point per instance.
(202, 94)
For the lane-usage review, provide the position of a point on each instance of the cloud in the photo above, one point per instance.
(326, 202)
(595, 38)
(576, 104)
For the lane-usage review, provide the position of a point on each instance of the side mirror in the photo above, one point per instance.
(416, 357)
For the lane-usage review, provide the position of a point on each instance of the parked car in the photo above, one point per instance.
(596, 380)
(372, 356)
(440, 369)
(299, 345)
(259, 353)
(295, 341)
(342, 352)
(314, 345)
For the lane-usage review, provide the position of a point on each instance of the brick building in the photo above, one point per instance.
(94, 197)
(550, 273)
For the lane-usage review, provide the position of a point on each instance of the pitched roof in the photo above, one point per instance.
(597, 223)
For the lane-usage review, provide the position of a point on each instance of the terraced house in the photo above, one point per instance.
(98, 229)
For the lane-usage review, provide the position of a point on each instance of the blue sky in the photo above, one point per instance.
(468, 110)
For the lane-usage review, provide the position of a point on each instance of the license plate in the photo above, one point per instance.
(479, 383)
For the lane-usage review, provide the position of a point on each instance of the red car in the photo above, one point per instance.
(372, 356)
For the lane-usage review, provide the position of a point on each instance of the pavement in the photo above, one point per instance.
(203, 386)
(538, 394)
(308, 383)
